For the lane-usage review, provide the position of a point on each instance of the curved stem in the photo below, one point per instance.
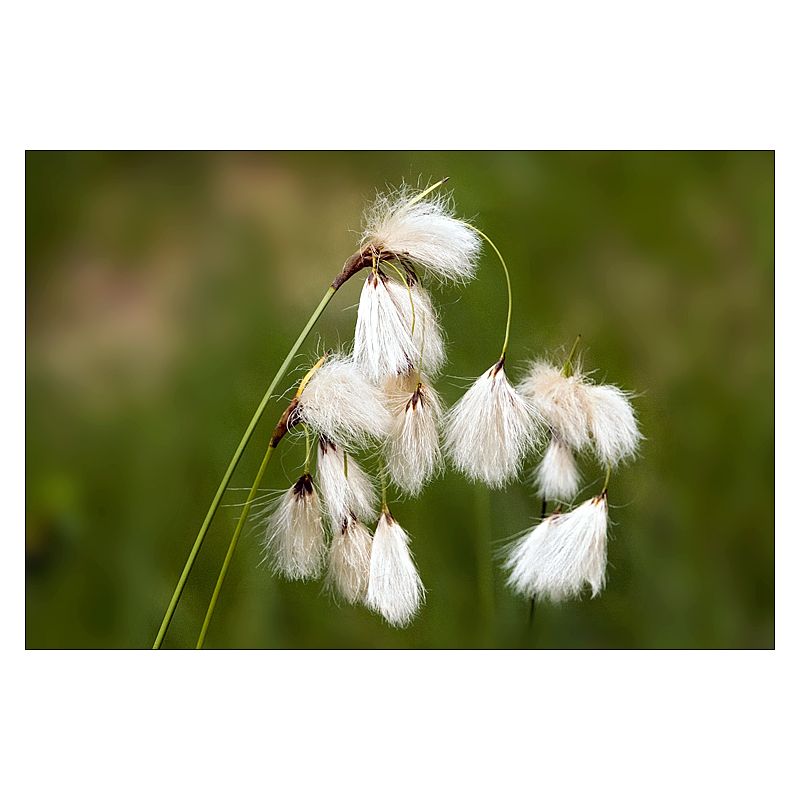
(226, 478)
(508, 284)
(232, 546)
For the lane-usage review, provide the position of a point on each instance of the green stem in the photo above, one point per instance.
(232, 546)
(608, 478)
(226, 479)
(483, 562)
(508, 284)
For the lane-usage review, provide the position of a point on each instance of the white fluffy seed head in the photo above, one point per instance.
(344, 490)
(422, 321)
(348, 561)
(561, 400)
(395, 589)
(383, 344)
(491, 428)
(340, 404)
(613, 423)
(557, 475)
(426, 232)
(564, 553)
(294, 541)
(412, 447)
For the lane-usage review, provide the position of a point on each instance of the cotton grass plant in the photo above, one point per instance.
(379, 399)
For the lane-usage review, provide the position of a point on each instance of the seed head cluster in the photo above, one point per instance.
(377, 404)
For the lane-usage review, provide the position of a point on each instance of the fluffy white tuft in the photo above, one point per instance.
(412, 446)
(383, 344)
(395, 589)
(562, 554)
(613, 424)
(294, 542)
(340, 404)
(422, 321)
(426, 233)
(344, 492)
(557, 476)
(490, 429)
(348, 562)
(561, 400)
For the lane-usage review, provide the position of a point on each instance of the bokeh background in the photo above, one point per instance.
(163, 290)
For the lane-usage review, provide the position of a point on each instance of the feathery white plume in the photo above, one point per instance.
(562, 554)
(383, 343)
(412, 446)
(340, 404)
(395, 590)
(344, 491)
(349, 559)
(561, 400)
(426, 233)
(613, 423)
(491, 428)
(422, 321)
(295, 537)
(557, 475)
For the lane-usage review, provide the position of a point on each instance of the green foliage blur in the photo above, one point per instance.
(164, 289)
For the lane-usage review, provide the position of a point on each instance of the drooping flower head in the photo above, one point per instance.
(561, 400)
(491, 428)
(294, 540)
(615, 432)
(563, 554)
(412, 447)
(425, 233)
(346, 489)
(557, 475)
(349, 560)
(340, 404)
(395, 589)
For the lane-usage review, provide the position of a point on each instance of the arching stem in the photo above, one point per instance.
(226, 478)
(281, 428)
(508, 285)
(232, 546)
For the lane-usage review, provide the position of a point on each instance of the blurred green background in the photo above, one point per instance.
(164, 289)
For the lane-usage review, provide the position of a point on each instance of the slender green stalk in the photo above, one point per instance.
(226, 479)
(232, 546)
(280, 431)
(508, 284)
(483, 559)
(608, 478)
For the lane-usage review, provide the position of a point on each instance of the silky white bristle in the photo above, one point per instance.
(344, 491)
(561, 400)
(490, 429)
(383, 344)
(557, 475)
(340, 404)
(426, 232)
(613, 424)
(294, 541)
(422, 320)
(412, 446)
(348, 561)
(562, 554)
(395, 589)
